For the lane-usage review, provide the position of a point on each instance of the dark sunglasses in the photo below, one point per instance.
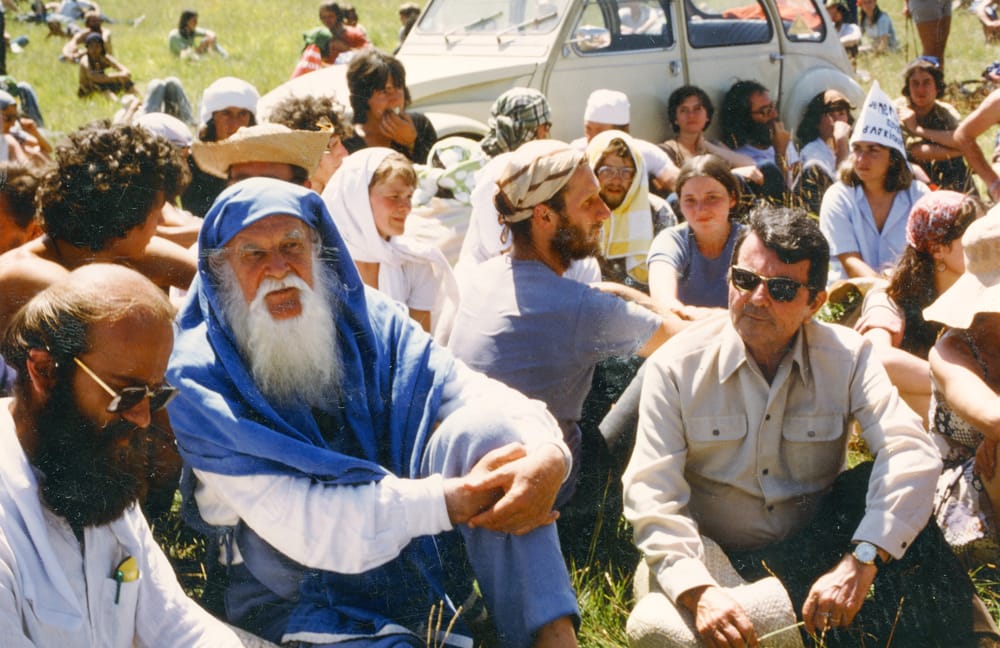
(129, 397)
(782, 289)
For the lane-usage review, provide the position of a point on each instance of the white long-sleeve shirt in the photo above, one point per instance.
(351, 529)
(57, 591)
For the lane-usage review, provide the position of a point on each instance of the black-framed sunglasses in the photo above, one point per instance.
(782, 289)
(129, 397)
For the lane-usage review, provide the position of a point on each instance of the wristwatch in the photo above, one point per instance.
(867, 554)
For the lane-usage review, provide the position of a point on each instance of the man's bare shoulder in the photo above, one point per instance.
(24, 272)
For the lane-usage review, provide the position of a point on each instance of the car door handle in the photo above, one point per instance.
(675, 68)
(775, 57)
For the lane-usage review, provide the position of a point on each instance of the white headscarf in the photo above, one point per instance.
(346, 197)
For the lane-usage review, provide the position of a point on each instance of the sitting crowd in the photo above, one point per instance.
(382, 449)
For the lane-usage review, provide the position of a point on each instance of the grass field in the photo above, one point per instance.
(264, 40)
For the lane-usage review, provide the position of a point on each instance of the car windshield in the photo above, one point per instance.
(491, 16)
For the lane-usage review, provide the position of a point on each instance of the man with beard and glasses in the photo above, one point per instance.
(78, 564)
(750, 125)
(637, 215)
(738, 472)
(357, 476)
(526, 324)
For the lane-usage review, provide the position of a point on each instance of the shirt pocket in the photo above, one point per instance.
(714, 444)
(117, 620)
(813, 448)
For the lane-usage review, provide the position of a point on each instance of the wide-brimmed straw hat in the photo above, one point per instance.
(655, 622)
(978, 289)
(262, 143)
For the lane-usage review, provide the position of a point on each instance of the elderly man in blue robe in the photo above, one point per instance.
(361, 481)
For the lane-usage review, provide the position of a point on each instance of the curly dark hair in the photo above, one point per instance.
(106, 181)
(678, 96)
(367, 73)
(19, 185)
(306, 113)
(737, 122)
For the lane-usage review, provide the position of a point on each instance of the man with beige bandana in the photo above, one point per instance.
(526, 324)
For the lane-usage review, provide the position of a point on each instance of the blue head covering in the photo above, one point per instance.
(392, 373)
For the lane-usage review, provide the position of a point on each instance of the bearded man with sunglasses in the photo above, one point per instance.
(743, 432)
(78, 563)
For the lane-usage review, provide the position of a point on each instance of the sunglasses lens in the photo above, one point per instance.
(161, 397)
(782, 290)
(127, 399)
(744, 279)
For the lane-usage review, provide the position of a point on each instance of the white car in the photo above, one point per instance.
(463, 54)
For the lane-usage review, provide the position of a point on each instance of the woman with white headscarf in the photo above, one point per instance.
(369, 198)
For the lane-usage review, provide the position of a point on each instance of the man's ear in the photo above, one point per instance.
(41, 372)
(817, 303)
(542, 212)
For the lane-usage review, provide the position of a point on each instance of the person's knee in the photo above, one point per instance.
(466, 435)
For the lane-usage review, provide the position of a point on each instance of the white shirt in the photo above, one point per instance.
(55, 592)
(351, 529)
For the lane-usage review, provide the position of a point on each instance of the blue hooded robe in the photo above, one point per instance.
(391, 390)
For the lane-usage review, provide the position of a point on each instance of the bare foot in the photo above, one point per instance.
(557, 634)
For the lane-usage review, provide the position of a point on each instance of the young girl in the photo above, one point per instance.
(369, 198)
(688, 263)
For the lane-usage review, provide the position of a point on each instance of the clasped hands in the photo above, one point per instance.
(509, 490)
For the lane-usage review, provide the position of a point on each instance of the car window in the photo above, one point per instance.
(622, 25)
(723, 23)
(492, 16)
(801, 20)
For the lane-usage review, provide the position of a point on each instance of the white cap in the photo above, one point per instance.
(228, 92)
(878, 122)
(607, 107)
(167, 126)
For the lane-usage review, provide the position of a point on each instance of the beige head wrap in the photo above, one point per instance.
(536, 172)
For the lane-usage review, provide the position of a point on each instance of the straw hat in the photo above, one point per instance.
(978, 290)
(655, 622)
(262, 143)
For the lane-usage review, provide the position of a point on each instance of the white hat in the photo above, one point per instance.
(262, 143)
(228, 92)
(655, 622)
(878, 122)
(166, 126)
(607, 107)
(978, 289)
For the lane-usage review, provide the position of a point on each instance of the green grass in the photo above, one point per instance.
(263, 39)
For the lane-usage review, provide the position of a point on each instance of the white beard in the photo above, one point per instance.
(295, 359)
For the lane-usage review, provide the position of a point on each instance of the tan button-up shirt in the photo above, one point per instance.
(721, 452)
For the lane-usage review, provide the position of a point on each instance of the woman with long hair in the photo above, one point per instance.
(892, 316)
(864, 214)
(688, 262)
(183, 40)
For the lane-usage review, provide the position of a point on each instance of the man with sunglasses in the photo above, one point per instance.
(743, 432)
(78, 563)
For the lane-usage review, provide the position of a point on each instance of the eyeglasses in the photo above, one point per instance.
(129, 397)
(764, 111)
(781, 289)
(609, 172)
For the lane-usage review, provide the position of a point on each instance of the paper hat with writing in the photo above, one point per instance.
(878, 122)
